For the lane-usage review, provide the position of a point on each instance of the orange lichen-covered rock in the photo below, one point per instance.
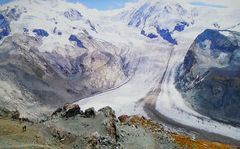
(180, 139)
(145, 123)
(189, 143)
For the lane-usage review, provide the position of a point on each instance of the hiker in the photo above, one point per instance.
(24, 128)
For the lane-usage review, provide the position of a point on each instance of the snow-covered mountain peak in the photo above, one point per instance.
(54, 21)
(150, 13)
(73, 14)
(159, 19)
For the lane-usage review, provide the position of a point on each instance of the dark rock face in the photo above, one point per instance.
(151, 35)
(15, 115)
(166, 35)
(181, 26)
(14, 14)
(71, 110)
(189, 61)
(73, 14)
(218, 41)
(90, 112)
(4, 27)
(5, 113)
(209, 77)
(68, 110)
(78, 41)
(41, 32)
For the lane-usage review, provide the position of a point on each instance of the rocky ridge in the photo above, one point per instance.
(70, 127)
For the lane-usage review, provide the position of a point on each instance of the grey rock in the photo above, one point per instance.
(108, 112)
(209, 77)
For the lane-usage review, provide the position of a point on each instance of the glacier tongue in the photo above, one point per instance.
(123, 99)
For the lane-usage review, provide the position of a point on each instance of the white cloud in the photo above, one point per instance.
(227, 3)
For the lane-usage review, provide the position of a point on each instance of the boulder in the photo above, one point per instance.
(123, 118)
(108, 112)
(90, 112)
(15, 115)
(71, 110)
(9, 114)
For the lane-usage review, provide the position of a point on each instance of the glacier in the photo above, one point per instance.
(125, 58)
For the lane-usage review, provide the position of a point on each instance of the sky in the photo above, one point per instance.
(102, 4)
(96, 4)
(113, 4)
(4, 1)
(205, 4)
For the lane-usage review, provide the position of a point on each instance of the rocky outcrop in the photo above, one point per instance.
(101, 131)
(4, 113)
(123, 118)
(94, 129)
(209, 77)
(90, 112)
(68, 110)
(71, 110)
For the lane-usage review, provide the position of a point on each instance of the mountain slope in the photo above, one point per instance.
(55, 61)
(36, 78)
(209, 75)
